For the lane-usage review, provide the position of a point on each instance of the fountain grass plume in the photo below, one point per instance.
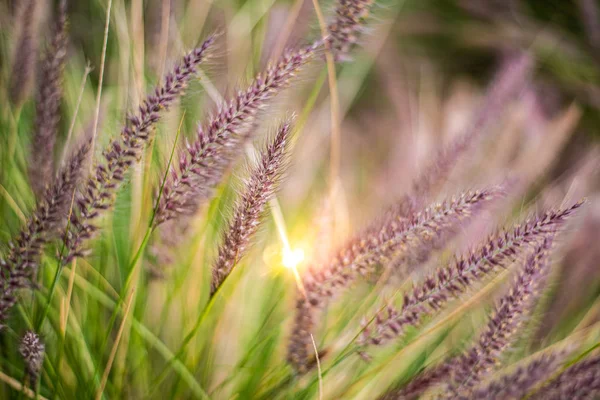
(48, 101)
(258, 190)
(449, 282)
(468, 369)
(203, 162)
(22, 260)
(348, 22)
(125, 150)
(25, 51)
(32, 350)
(579, 381)
(517, 384)
(386, 240)
(393, 235)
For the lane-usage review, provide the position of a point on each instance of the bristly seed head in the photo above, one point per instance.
(32, 350)
(260, 188)
(346, 27)
(24, 59)
(203, 163)
(393, 236)
(48, 102)
(467, 370)
(22, 260)
(579, 381)
(517, 384)
(122, 152)
(449, 282)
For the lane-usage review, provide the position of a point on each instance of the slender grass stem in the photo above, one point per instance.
(113, 352)
(147, 336)
(101, 78)
(88, 69)
(134, 263)
(59, 268)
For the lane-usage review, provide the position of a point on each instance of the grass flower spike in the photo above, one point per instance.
(379, 244)
(347, 25)
(102, 185)
(451, 281)
(468, 369)
(22, 260)
(48, 103)
(24, 59)
(579, 381)
(204, 161)
(32, 350)
(260, 187)
(518, 384)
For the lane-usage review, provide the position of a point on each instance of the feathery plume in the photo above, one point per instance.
(579, 381)
(505, 86)
(507, 83)
(395, 235)
(261, 186)
(378, 244)
(48, 102)
(468, 369)
(344, 30)
(512, 386)
(21, 77)
(299, 352)
(22, 260)
(449, 282)
(204, 161)
(125, 150)
(518, 383)
(32, 350)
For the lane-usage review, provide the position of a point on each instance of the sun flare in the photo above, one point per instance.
(292, 257)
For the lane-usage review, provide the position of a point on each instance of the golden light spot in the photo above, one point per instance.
(292, 257)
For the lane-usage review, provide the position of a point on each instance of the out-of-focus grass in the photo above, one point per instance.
(173, 345)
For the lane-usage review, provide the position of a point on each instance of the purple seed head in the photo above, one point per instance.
(102, 185)
(468, 369)
(48, 101)
(449, 282)
(259, 189)
(32, 350)
(394, 235)
(22, 260)
(346, 27)
(203, 163)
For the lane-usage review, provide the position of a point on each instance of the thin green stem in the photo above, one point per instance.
(132, 267)
(148, 337)
(59, 267)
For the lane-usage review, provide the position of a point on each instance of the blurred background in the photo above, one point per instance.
(423, 72)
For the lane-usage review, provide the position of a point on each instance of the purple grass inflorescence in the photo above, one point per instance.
(261, 187)
(396, 234)
(449, 282)
(32, 350)
(468, 369)
(518, 383)
(25, 52)
(579, 381)
(22, 260)
(347, 25)
(48, 103)
(122, 152)
(203, 163)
